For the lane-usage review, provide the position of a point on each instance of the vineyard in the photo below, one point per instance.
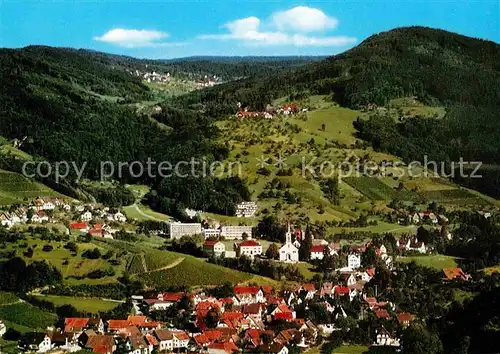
(375, 189)
(151, 260)
(25, 316)
(460, 197)
(14, 188)
(192, 272)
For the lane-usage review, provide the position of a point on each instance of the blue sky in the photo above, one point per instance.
(179, 28)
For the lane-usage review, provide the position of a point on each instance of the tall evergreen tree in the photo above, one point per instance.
(306, 245)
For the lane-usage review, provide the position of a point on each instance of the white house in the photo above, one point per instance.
(249, 248)
(354, 260)
(39, 217)
(119, 217)
(36, 342)
(3, 328)
(384, 338)
(289, 252)
(417, 246)
(5, 220)
(87, 216)
(214, 248)
(171, 340)
(249, 294)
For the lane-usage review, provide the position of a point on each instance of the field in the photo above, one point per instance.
(457, 197)
(141, 212)
(252, 139)
(24, 317)
(152, 260)
(69, 265)
(374, 189)
(432, 261)
(92, 305)
(193, 272)
(15, 188)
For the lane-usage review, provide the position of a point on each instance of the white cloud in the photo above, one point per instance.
(133, 38)
(303, 19)
(248, 30)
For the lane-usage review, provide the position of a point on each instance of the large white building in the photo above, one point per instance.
(235, 232)
(177, 229)
(288, 252)
(249, 248)
(246, 209)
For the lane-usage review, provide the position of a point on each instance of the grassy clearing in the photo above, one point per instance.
(69, 265)
(141, 212)
(438, 261)
(93, 305)
(27, 316)
(15, 188)
(7, 298)
(306, 270)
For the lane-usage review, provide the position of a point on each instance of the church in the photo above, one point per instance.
(288, 252)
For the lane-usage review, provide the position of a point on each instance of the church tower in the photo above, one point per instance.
(288, 238)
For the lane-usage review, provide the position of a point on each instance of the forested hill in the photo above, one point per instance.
(436, 65)
(225, 68)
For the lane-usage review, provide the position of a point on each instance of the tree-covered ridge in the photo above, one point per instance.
(436, 65)
(64, 105)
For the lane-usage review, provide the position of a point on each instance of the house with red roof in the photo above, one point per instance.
(249, 248)
(454, 273)
(405, 318)
(222, 348)
(383, 314)
(172, 340)
(318, 251)
(249, 294)
(117, 325)
(214, 248)
(82, 226)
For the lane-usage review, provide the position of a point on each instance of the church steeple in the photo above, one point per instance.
(288, 235)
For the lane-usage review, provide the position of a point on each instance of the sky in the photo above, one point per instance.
(163, 29)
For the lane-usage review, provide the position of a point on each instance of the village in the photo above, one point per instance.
(90, 218)
(255, 318)
(250, 319)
